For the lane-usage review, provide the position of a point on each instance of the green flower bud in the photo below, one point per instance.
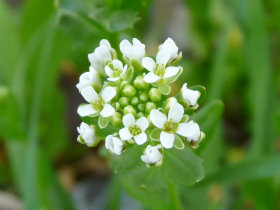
(144, 97)
(140, 84)
(169, 102)
(141, 107)
(155, 94)
(124, 83)
(129, 110)
(124, 101)
(140, 114)
(118, 92)
(134, 101)
(129, 91)
(116, 119)
(149, 107)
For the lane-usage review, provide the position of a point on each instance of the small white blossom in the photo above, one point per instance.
(114, 144)
(170, 46)
(90, 78)
(87, 134)
(97, 103)
(101, 56)
(170, 125)
(136, 50)
(134, 129)
(152, 155)
(192, 131)
(191, 96)
(115, 70)
(157, 69)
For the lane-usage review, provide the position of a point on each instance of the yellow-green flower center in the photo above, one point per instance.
(159, 70)
(170, 127)
(117, 72)
(135, 130)
(98, 105)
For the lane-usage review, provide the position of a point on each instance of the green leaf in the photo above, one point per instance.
(178, 143)
(202, 91)
(114, 21)
(164, 89)
(155, 134)
(129, 74)
(103, 121)
(250, 169)
(128, 160)
(183, 166)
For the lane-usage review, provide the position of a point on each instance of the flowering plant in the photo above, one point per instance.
(133, 104)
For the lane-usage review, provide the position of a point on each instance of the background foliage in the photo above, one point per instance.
(230, 47)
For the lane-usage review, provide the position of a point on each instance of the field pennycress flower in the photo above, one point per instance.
(132, 107)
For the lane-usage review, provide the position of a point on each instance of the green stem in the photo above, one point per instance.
(174, 196)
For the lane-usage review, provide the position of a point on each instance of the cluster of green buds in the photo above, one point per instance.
(129, 98)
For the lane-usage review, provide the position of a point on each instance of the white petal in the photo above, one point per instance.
(158, 118)
(190, 95)
(86, 110)
(140, 138)
(163, 57)
(125, 134)
(176, 112)
(124, 45)
(136, 42)
(113, 79)
(108, 93)
(117, 64)
(108, 141)
(151, 77)
(190, 130)
(171, 71)
(167, 139)
(148, 63)
(107, 111)
(128, 120)
(109, 71)
(142, 123)
(106, 43)
(89, 94)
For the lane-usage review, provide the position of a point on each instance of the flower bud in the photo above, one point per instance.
(155, 95)
(144, 97)
(134, 101)
(139, 83)
(116, 119)
(141, 107)
(140, 114)
(169, 103)
(124, 101)
(149, 107)
(129, 91)
(129, 110)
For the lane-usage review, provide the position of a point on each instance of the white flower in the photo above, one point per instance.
(136, 50)
(135, 129)
(170, 46)
(191, 96)
(115, 70)
(87, 134)
(152, 155)
(101, 56)
(97, 103)
(90, 78)
(192, 131)
(170, 125)
(114, 144)
(157, 69)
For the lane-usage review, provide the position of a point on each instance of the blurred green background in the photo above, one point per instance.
(229, 46)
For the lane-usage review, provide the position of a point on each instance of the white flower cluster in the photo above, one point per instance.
(133, 103)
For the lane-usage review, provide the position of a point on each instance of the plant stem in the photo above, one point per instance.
(174, 196)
